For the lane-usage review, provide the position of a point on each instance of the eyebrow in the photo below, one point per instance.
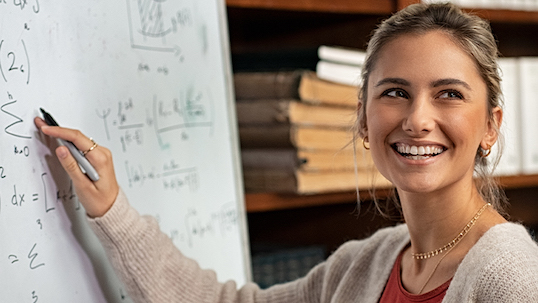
(451, 81)
(398, 81)
(436, 83)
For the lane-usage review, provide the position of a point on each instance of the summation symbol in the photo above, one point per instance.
(17, 119)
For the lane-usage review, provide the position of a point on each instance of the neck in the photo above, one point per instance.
(434, 219)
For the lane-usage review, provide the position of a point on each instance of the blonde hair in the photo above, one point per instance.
(474, 36)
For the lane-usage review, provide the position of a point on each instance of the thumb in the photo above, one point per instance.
(70, 164)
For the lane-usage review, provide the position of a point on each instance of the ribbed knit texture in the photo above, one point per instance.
(501, 267)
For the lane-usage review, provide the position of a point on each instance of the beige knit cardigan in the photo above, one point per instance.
(501, 267)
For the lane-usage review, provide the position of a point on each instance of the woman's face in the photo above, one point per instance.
(427, 113)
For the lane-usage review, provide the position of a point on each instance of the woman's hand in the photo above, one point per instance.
(96, 197)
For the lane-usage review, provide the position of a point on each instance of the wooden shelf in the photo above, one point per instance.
(520, 181)
(262, 202)
(379, 7)
(333, 6)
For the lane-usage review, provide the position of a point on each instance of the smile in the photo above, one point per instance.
(418, 152)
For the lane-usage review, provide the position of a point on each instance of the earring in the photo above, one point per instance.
(487, 151)
(364, 141)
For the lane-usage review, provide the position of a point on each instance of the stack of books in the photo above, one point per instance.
(296, 132)
(340, 65)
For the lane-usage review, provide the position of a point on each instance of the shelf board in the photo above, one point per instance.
(506, 16)
(519, 181)
(382, 7)
(261, 202)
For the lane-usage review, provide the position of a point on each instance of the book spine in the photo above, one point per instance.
(267, 85)
(262, 111)
(339, 73)
(314, 90)
(342, 55)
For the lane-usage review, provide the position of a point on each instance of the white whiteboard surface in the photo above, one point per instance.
(149, 79)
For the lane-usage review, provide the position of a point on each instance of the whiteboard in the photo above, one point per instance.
(149, 79)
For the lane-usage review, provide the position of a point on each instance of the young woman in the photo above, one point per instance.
(429, 111)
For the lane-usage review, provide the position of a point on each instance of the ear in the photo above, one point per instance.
(362, 127)
(493, 128)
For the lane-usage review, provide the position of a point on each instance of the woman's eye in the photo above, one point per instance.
(451, 95)
(395, 93)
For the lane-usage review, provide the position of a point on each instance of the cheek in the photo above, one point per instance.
(381, 121)
(467, 129)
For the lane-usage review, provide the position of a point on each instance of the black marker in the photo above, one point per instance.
(77, 154)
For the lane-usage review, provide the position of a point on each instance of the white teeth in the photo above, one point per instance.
(418, 152)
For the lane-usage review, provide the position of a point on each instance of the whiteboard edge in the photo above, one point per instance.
(234, 136)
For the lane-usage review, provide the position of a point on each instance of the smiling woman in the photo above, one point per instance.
(430, 109)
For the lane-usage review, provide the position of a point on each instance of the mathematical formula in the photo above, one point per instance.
(116, 70)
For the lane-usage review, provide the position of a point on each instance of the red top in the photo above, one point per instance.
(395, 292)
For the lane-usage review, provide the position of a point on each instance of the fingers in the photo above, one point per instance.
(75, 136)
(97, 197)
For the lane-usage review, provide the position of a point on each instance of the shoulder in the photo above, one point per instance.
(501, 267)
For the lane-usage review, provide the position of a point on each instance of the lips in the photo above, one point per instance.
(420, 152)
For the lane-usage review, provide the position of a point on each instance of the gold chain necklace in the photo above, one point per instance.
(456, 240)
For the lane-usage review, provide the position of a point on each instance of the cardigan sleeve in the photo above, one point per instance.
(154, 270)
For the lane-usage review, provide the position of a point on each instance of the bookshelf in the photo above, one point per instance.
(257, 25)
(299, 27)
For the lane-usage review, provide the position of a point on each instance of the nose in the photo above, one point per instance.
(420, 118)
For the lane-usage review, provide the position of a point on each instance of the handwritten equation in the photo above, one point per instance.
(134, 121)
(14, 61)
(21, 5)
(198, 226)
(127, 80)
(173, 176)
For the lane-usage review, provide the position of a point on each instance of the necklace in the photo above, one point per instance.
(449, 246)
(456, 240)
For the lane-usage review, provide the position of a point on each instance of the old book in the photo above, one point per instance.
(304, 182)
(344, 55)
(267, 85)
(295, 136)
(339, 73)
(294, 112)
(317, 91)
(305, 160)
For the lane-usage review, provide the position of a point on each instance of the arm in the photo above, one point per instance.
(146, 260)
